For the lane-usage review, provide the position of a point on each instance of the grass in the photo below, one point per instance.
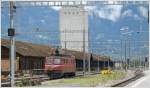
(91, 80)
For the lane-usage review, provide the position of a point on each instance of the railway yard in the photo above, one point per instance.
(75, 43)
(59, 69)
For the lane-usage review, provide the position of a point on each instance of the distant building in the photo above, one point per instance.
(73, 20)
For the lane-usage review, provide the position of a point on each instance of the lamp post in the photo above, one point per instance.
(125, 31)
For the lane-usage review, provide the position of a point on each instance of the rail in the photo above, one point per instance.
(138, 74)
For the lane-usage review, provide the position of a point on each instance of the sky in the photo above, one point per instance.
(108, 26)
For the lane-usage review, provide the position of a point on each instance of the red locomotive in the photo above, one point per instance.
(59, 65)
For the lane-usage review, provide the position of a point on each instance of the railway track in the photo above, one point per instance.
(138, 74)
(42, 78)
(126, 82)
(6, 83)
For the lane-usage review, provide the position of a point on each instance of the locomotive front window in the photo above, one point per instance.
(57, 61)
(49, 61)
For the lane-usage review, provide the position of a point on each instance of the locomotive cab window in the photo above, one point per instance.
(65, 61)
(57, 61)
(49, 61)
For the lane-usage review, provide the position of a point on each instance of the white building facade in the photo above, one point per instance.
(74, 28)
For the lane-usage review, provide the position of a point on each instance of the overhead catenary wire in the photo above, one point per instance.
(76, 3)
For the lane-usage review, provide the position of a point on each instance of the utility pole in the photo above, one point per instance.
(65, 42)
(89, 64)
(108, 62)
(11, 33)
(98, 63)
(104, 62)
(148, 62)
(121, 54)
(84, 69)
(129, 55)
(90, 56)
(125, 58)
(135, 53)
(139, 62)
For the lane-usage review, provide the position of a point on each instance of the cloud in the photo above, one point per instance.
(125, 28)
(145, 46)
(90, 8)
(110, 12)
(42, 36)
(42, 21)
(117, 40)
(129, 13)
(109, 40)
(99, 36)
(126, 31)
(57, 8)
(143, 11)
(137, 17)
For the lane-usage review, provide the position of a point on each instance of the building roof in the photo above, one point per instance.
(80, 55)
(30, 49)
